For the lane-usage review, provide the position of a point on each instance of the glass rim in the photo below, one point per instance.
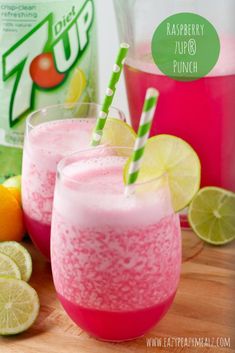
(64, 106)
(62, 164)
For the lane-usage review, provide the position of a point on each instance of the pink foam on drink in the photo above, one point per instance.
(44, 147)
(201, 112)
(114, 258)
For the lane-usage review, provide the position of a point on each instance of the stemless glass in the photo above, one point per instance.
(116, 257)
(51, 133)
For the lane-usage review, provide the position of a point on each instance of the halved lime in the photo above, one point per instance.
(172, 155)
(118, 133)
(20, 256)
(8, 267)
(13, 182)
(19, 306)
(212, 215)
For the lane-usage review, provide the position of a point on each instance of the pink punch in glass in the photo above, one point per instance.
(202, 112)
(115, 259)
(51, 133)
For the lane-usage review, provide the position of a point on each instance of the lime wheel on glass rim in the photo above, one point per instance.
(118, 133)
(172, 155)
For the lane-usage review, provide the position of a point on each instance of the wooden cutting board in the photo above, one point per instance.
(204, 307)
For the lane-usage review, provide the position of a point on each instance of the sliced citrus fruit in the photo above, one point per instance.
(118, 133)
(172, 155)
(211, 215)
(11, 217)
(20, 256)
(8, 267)
(76, 86)
(13, 182)
(19, 306)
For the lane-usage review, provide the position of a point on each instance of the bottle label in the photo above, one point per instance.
(42, 46)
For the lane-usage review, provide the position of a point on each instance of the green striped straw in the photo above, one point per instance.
(108, 99)
(146, 119)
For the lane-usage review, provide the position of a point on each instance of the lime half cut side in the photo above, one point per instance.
(19, 306)
(13, 182)
(20, 256)
(8, 267)
(175, 157)
(212, 215)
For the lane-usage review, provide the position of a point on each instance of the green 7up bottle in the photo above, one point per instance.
(48, 56)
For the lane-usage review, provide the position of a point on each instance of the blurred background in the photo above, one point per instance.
(108, 43)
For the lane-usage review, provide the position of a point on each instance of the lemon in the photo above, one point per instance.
(8, 268)
(172, 155)
(20, 256)
(76, 86)
(118, 133)
(212, 215)
(11, 217)
(19, 306)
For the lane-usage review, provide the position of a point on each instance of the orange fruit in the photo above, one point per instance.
(11, 217)
(16, 193)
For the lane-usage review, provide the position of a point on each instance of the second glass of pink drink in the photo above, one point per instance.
(115, 258)
(51, 134)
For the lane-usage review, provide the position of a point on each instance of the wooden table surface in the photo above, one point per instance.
(204, 307)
